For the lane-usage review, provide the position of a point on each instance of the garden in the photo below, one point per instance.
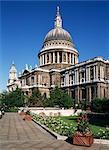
(67, 126)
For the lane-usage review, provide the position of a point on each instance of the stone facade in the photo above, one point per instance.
(58, 66)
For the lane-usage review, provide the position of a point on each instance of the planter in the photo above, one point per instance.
(27, 117)
(22, 113)
(83, 140)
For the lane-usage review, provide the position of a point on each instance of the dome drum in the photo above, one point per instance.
(58, 57)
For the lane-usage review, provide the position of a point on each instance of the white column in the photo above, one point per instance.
(70, 58)
(101, 72)
(73, 59)
(53, 57)
(75, 76)
(86, 74)
(62, 57)
(76, 59)
(57, 57)
(67, 79)
(43, 59)
(66, 57)
(94, 73)
(89, 74)
(39, 79)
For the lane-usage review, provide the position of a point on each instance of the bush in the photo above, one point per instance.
(11, 109)
(83, 124)
(98, 119)
(100, 105)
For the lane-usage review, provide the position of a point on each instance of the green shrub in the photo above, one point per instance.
(100, 105)
(11, 109)
(99, 119)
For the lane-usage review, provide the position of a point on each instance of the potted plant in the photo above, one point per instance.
(27, 116)
(83, 135)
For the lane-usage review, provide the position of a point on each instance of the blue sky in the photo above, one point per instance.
(25, 24)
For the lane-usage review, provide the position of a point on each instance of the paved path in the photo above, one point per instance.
(16, 134)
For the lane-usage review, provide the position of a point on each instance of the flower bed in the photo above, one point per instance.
(56, 124)
(62, 127)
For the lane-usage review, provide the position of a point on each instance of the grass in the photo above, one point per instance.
(12, 109)
(72, 119)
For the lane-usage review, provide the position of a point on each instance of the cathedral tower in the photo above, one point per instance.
(12, 74)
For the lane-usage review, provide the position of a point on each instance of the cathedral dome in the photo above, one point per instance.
(58, 34)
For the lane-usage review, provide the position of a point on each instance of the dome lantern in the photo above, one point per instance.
(58, 20)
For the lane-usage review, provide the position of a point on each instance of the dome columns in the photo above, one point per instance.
(58, 57)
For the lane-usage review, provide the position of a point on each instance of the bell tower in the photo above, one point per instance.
(12, 73)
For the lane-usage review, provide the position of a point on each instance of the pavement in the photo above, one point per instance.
(17, 134)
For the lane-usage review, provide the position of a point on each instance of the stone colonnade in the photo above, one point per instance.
(58, 57)
(89, 74)
(84, 82)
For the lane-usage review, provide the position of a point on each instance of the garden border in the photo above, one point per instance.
(56, 135)
(60, 137)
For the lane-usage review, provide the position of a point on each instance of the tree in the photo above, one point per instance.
(60, 98)
(36, 99)
(11, 99)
